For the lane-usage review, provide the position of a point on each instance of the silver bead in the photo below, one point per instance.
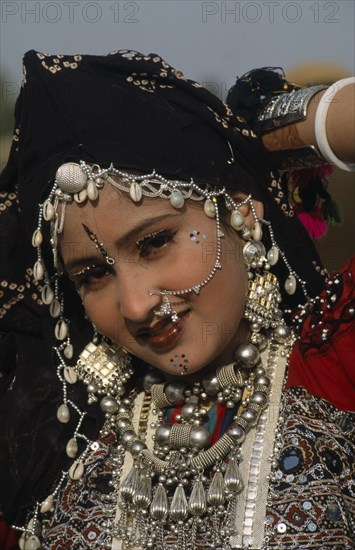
(236, 433)
(282, 332)
(259, 398)
(174, 392)
(262, 380)
(136, 447)
(188, 411)
(211, 385)
(123, 424)
(249, 415)
(71, 178)
(127, 438)
(162, 435)
(248, 354)
(200, 437)
(150, 378)
(109, 404)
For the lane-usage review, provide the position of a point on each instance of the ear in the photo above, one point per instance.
(246, 210)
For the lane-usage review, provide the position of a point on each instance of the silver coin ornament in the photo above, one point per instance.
(71, 178)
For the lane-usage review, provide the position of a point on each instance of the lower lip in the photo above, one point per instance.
(169, 336)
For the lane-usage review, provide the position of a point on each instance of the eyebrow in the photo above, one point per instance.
(130, 235)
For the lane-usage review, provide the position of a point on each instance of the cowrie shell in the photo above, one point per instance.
(76, 470)
(273, 255)
(37, 238)
(237, 220)
(54, 308)
(92, 191)
(70, 375)
(48, 210)
(209, 208)
(47, 294)
(72, 448)
(176, 199)
(63, 414)
(47, 504)
(290, 285)
(38, 270)
(61, 330)
(68, 351)
(81, 196)
(135, 192)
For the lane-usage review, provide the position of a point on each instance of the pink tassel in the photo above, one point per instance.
(313, 222)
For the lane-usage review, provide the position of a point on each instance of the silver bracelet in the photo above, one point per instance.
(286, 108)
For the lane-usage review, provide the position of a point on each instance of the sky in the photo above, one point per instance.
(212, 42)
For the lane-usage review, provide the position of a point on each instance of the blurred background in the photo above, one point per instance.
(212, 42)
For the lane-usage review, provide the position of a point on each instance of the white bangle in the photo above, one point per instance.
(320, 124)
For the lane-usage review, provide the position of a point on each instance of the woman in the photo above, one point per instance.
(176, 408)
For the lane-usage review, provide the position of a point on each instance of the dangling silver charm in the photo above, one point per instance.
(165, 309)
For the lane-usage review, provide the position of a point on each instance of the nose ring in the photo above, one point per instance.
(165, 309)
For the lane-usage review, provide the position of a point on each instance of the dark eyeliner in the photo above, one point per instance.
(156, 241)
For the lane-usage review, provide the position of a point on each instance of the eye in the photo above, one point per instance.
(90, 275)
(154, 242)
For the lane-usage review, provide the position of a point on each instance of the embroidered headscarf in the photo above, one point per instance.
(140, 114)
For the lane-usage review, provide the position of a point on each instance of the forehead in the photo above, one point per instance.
(113, 214)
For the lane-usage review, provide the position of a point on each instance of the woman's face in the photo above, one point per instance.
(156, 248)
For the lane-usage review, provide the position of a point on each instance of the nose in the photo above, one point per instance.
(136, 297)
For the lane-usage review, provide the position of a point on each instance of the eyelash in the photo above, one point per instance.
(155, 241)
(92, 274)
(89, 275)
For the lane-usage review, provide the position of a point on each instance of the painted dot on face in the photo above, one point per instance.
(180, 362)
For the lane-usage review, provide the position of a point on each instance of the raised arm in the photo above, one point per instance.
(330, 118)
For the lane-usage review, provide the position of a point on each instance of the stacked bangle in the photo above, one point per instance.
(320, 124)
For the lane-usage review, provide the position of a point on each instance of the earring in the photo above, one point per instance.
(105, 369)
(263, 295)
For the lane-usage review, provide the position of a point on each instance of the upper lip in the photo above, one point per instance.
(153, 329)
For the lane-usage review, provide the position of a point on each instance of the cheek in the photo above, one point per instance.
(103, 312)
